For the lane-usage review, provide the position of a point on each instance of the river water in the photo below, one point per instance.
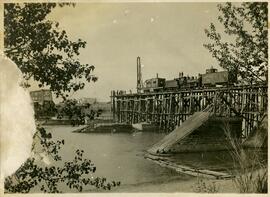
(119, 157)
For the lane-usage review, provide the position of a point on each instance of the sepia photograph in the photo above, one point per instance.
(134, 97)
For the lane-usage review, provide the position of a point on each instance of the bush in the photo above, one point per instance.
(250, 170)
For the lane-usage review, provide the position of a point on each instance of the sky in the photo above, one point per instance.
(168, 37)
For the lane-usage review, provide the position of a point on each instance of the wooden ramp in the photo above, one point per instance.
(191, 124)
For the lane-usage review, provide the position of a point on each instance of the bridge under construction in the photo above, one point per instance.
(200, 113)
(169, 110)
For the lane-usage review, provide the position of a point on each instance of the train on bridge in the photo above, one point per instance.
(212, 78)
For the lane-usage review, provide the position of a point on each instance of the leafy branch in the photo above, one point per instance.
(245, 50)
(75, 174)
(42, 50)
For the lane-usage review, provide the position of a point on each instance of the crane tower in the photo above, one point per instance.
(139, 75)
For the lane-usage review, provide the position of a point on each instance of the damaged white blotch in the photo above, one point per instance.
(39, 152)
(17, 124)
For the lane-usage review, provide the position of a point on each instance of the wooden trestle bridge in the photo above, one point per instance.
(169, 110)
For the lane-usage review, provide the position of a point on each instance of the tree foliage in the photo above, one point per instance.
(45, 110)
(71, 109)
(245, 50)
(74, 174)
(45, 53)
(42, 50)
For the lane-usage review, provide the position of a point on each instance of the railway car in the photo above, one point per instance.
(192, 83)
(181, 82)
(171, 85)
(214, 78)
(211, 78)
(154, 84)
(217, 78)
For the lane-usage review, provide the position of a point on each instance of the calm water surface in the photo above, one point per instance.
(119, 157)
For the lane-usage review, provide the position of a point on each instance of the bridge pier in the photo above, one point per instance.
(215, 135)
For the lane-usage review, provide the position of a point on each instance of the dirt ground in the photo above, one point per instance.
(189, 186)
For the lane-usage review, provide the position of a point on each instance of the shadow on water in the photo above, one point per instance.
(222, 161)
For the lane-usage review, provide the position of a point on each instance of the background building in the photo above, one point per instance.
(43, 103)
(41, 96)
